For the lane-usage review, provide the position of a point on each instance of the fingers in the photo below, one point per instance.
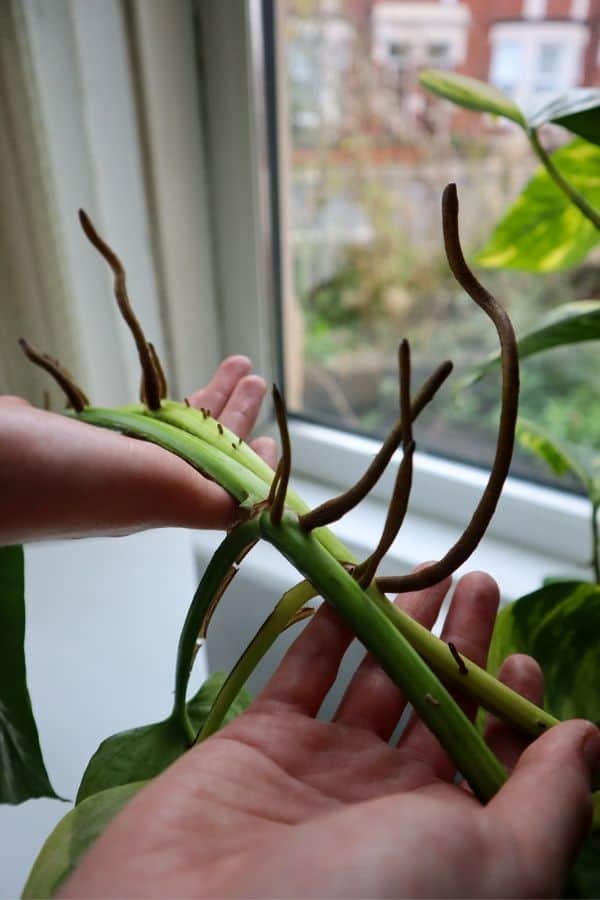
(469, 625)
(233, 395)
(310, 666)
(545, 806)
(266, 447)
(221, 386)
(372, 700)
(241, 409)
(523, 675)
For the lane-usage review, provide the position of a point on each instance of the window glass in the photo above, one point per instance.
(369, 154)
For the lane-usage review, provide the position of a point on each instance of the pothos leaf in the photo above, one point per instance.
(73, 835)
(22, 771)
(584, 876)
(542, 231)
(559, 457)
(577, 109)
(569, 323)
(558, 625)
(141, 753)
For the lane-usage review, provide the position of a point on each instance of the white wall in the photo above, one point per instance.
(103, 620)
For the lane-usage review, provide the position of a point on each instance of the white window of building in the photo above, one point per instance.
(505, 67)
(532, 59)
(549, 68)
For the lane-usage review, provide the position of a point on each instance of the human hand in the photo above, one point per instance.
(63, 478)
(279, 804)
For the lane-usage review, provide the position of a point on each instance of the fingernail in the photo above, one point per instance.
(591, 748)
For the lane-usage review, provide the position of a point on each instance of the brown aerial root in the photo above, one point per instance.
(154, 385)
(282, 475)
(75, 396)
(480, 520)
(336, 507)
(365, 572)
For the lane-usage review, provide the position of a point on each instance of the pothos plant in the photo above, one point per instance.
(422, 665)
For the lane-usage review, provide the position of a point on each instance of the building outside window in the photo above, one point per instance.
(363, 230)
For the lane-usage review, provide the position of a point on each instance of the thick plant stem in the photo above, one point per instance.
(291, 602)
(490, 693)
(217, 573)
(234, 477)
(402, 663)
(561, 182)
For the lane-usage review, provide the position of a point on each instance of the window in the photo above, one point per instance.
(549, 68)
(536, 57)
(439, 55)
(400, 55)
(362, 240)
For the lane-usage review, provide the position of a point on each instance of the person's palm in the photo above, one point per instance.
(281, 804)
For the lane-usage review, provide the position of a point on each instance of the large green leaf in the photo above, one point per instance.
(577, 109)
(471, 93)
(562, 458)
(569, 323)
(558, 625)
(141, 753)
(71, 838)
(542, 231)
(584, 877)
(22, 771)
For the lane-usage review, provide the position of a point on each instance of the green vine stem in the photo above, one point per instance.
(424, 691)
(281, 616)
(216, 576)
(490, 693)
(561, 182)
(247, 485)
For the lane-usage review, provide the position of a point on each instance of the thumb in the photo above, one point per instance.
(546, 804)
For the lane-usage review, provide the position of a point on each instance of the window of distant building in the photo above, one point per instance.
(550, 64)
(399, 55)
(439, 55)
(505, 65)
(532, 58)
